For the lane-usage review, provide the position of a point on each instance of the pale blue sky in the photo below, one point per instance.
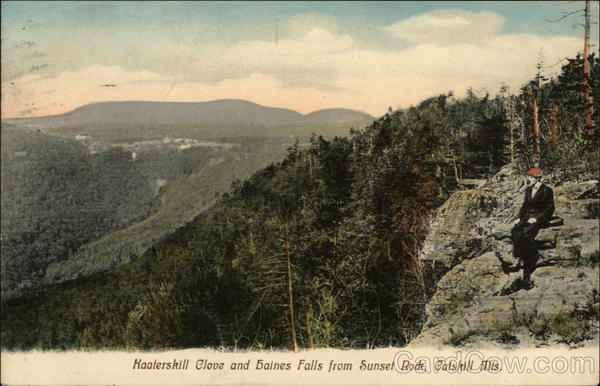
(235, 18)
(230, 21)
(208, 43)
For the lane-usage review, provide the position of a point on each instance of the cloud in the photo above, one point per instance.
(318, 68)
(448, 27)
(300, 61)
(301, 24)
(304, 60)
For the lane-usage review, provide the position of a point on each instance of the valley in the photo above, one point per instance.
(82, 199)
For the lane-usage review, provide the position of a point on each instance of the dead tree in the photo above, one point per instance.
(554, 126)
(290, 296)
(588, 102)
(309, 339)
(587, 95)
(534, 117)
(511, 118)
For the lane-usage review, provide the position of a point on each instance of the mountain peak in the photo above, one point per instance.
(217, 118)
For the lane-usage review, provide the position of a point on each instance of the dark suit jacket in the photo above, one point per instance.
(540, 206)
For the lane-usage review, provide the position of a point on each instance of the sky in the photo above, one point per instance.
(305, 56)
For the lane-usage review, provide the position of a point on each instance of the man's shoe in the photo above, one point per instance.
(527, 284)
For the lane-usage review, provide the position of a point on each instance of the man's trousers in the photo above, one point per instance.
(524, 246)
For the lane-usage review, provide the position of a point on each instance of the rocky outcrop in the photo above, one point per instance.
(480, 299)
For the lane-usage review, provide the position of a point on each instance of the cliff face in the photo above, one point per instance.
(479, 300)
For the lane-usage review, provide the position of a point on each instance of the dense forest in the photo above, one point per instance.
(56, 196)
(192, 190)
(59, 195)
(320, 249)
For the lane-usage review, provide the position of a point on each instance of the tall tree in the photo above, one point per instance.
(533, 93)
(587, 95)
(534, 117)
(554, 126)
(588, 103)
(288, 264)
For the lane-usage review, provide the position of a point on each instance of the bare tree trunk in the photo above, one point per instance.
(456, 175)
(510, 117)
(554, 126)
(536, 125)
(512, 144)
(309, 340)
(587, 97)
(291, 317)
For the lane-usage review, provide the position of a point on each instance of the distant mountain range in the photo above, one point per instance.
(227, 116)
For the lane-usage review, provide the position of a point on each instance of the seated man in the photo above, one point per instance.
(534, 214)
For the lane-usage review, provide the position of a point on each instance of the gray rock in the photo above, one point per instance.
(478, 300)
(578, 190)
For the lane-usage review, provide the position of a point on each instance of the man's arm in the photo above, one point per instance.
(548, 203)
(524, 206)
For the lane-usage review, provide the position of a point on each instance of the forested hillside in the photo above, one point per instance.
(56, 196)
(201, 175)
(344, 218)
(70, 209)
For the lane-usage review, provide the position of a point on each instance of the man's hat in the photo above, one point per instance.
(535, 172)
